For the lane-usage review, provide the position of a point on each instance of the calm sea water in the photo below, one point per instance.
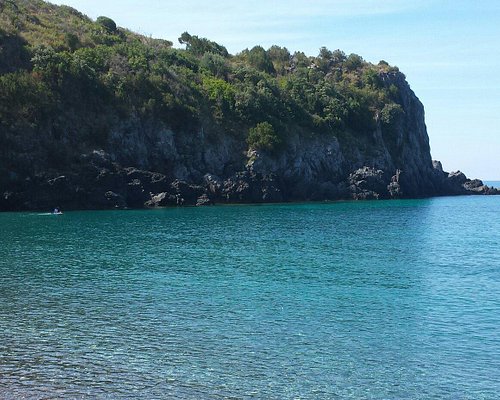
(349, 300)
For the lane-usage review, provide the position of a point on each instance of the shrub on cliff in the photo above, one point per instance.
(263, 137)
(391, 113)
(215, 64)
(259, 59)
(107, 23)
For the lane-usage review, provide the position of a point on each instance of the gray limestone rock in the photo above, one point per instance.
(367, 183)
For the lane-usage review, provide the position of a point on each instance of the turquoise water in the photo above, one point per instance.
(348, 300)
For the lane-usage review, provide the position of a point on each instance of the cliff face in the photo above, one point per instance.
(92, 116)
(326, 167)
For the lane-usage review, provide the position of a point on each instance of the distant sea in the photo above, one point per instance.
(344, 300)
(495, 184)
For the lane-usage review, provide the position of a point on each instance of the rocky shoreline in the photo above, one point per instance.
(104, 184)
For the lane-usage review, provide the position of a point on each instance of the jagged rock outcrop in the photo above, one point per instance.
(367, 183)
(456, 183)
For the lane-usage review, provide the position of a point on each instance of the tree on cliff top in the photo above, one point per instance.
(107, 23)
(199, 46)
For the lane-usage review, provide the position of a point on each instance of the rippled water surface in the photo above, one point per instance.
(356, 300)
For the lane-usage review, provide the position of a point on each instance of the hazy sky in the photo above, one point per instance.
(449, 51)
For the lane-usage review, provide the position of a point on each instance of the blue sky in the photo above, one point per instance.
(449, 51)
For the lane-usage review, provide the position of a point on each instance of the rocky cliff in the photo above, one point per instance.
(146, 164)
(83, 134)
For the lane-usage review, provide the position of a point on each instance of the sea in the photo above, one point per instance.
(341, 300)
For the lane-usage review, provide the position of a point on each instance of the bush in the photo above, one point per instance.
(25, 99)
(391, 113)
(280, 57)
(263, 137)
(107, 23)
(221, 94)
(258, 58)
(72, 41)
(353, 62)
(215, 64)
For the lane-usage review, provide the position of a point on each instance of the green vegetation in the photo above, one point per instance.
(60, 70)
(107, 23)
(263, 137)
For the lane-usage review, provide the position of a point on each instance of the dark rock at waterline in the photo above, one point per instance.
(163, 199)
(185, 193)
(456, 183)
(115, 200)
(367, 184)
(251, 187)
(102, 184)
(394, 190)
(477, 186)
(271, 193)
(204, 200)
